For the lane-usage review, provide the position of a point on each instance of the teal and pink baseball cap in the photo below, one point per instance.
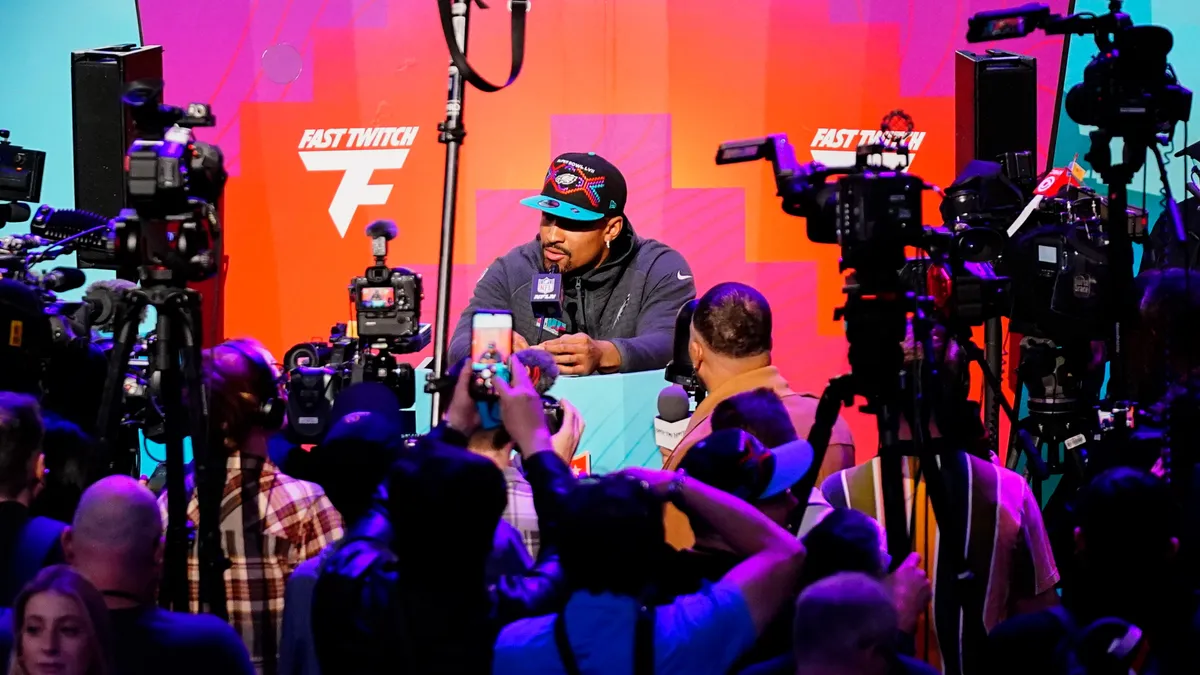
(581, 186)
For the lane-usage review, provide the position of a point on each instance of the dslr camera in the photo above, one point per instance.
(387, 300)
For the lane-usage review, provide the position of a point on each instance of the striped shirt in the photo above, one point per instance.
(520, 512)
(1008, 551)
(297, 521)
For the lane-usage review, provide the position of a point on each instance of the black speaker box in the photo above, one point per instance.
(103, 125)
(995, 106)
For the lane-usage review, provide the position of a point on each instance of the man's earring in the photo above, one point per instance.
(608, 243)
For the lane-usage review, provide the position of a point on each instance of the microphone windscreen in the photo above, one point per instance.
(117, 286)
(75, 221)
(382, 228)
(544, 362)
(64, 279)
(673, 404)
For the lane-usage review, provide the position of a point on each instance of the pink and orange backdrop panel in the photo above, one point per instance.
(653, 85)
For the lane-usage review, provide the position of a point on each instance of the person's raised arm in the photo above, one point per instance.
(773, 557)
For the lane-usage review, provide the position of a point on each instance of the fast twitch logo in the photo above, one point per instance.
(357, 153)
(836, 147)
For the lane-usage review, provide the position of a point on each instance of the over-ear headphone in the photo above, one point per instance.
(266, 387)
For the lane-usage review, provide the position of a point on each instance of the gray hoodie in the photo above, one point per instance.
(631, 300)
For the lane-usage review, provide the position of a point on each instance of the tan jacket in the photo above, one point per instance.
(801, 408)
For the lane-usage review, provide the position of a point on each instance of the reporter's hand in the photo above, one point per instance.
(521, 412)
(657, 480)
(911, 591)
(462, 415)
(566, 441)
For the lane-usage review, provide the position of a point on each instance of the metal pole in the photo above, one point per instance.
(994, 360)
(452, 134)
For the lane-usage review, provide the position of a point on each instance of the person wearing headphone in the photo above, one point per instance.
(289, 520)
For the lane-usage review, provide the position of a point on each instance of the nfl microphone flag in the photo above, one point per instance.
(545, 294)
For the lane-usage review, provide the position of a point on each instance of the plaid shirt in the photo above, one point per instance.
(297, 522)
(520, 512)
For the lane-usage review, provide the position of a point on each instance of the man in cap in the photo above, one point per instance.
(621, 291)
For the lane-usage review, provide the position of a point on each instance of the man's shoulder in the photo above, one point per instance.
(180, 628)
(654, 257)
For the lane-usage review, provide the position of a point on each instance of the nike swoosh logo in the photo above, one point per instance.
(682, 276)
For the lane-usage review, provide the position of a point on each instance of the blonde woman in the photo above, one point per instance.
(60, 626)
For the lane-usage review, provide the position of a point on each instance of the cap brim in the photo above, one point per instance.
(560, 209)
(792, 461)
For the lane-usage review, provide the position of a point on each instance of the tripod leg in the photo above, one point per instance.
(115, 455)
(175, 592)
(209, 467)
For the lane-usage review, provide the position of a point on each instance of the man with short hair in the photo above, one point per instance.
(731, 350)
(116, 542)
(621, 292)
(27, 544)
(844, 625)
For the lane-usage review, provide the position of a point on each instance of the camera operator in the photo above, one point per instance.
(421, 603)
(731, 349)
(621, 291)
(263, 545)
(497, 445)
(1012, 569)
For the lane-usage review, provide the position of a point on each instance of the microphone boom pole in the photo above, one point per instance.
(451, 134)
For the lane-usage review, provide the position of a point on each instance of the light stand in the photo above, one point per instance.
(455, 15)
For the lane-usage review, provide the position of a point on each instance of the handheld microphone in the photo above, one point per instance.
(62, 279)
(674, 411)
(546, 293)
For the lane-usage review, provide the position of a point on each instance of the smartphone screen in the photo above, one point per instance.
(491, 349)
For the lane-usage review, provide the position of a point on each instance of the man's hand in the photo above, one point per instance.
(911, 591)
(521, 412)
(566, 441)
(462, 415)
(579, 354)
(657, 480)
(519, 342)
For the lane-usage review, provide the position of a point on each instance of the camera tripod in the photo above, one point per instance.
(176, 367)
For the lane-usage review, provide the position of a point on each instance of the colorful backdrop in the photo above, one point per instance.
(654, 85)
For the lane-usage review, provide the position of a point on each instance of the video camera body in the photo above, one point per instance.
(173, 187)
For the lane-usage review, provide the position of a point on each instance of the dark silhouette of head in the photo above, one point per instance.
(611, 536)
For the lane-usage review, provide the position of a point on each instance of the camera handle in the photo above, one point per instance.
(177, 361)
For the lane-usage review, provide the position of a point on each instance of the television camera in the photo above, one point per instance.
(1129, 91)
(387, 313)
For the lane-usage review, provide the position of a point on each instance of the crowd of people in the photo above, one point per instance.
(475, 550)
